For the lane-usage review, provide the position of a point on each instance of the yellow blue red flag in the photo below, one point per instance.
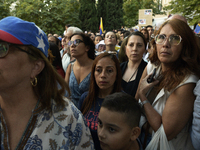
(101, 26)
(197, 29)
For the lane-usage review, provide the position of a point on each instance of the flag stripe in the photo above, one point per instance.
(101, 26)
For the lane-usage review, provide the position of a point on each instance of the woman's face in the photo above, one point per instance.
(92, 36)
(105, 73)
(52, 39)
(97, 40)
(101, 48)
(166, 52)
(145, 34)
(110, 38)
(135, 48)
(16, 70)
(79, 49)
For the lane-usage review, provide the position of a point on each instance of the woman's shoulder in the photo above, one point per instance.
(69, 124)
(143, 64)
(69, 109)
(123, 66)
(188, 79)
(123, 63)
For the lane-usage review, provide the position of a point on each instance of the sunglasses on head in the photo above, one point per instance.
(75, 42)
(173, 39)
(4, 48)
(109, 52)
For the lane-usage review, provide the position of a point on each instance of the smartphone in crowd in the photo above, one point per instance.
(151, 78)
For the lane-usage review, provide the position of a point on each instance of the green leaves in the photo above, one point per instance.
(88, 15)
(4, 9)
(189, 9)
(111, 12)
(50, 15)
(131, 10)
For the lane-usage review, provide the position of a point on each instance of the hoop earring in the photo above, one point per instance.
(34, 82)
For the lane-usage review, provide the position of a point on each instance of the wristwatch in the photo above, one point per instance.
(144, 102)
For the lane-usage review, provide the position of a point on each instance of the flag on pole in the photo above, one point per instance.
(101, 26)
(197, 29)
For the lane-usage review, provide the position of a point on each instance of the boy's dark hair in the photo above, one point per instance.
(126, 104)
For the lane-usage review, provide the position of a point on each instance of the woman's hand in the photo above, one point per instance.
(145, 86)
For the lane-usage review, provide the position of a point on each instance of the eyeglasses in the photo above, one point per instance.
(173, 39)
(4, 48)
(75, 42)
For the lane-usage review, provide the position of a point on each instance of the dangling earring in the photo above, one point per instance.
(34, 82)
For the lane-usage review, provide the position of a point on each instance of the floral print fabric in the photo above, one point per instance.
(61, 129)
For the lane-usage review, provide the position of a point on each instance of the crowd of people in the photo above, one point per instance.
(123, 89)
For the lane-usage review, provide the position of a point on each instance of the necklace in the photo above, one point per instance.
(99, 101)
(28, 129)
(98, 104)
(132, 75)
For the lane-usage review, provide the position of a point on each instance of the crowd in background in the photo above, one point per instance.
(131, 69)
(123, 89)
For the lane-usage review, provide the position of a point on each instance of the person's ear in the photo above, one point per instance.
(38, 66)
(87, 48)
(135, 132)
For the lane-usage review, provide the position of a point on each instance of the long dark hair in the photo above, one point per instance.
(56, 55)
(144, 29)
(88, 42)
(137, 33)
(94, 89)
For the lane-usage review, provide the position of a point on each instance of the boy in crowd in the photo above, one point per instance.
(118, 123)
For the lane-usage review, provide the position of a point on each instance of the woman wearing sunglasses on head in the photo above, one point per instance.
(78, 73)
(34, 114)
(168, 99)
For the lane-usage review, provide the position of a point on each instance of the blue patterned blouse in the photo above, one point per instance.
(63, 129)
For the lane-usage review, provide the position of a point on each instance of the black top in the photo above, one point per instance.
(131, 87)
